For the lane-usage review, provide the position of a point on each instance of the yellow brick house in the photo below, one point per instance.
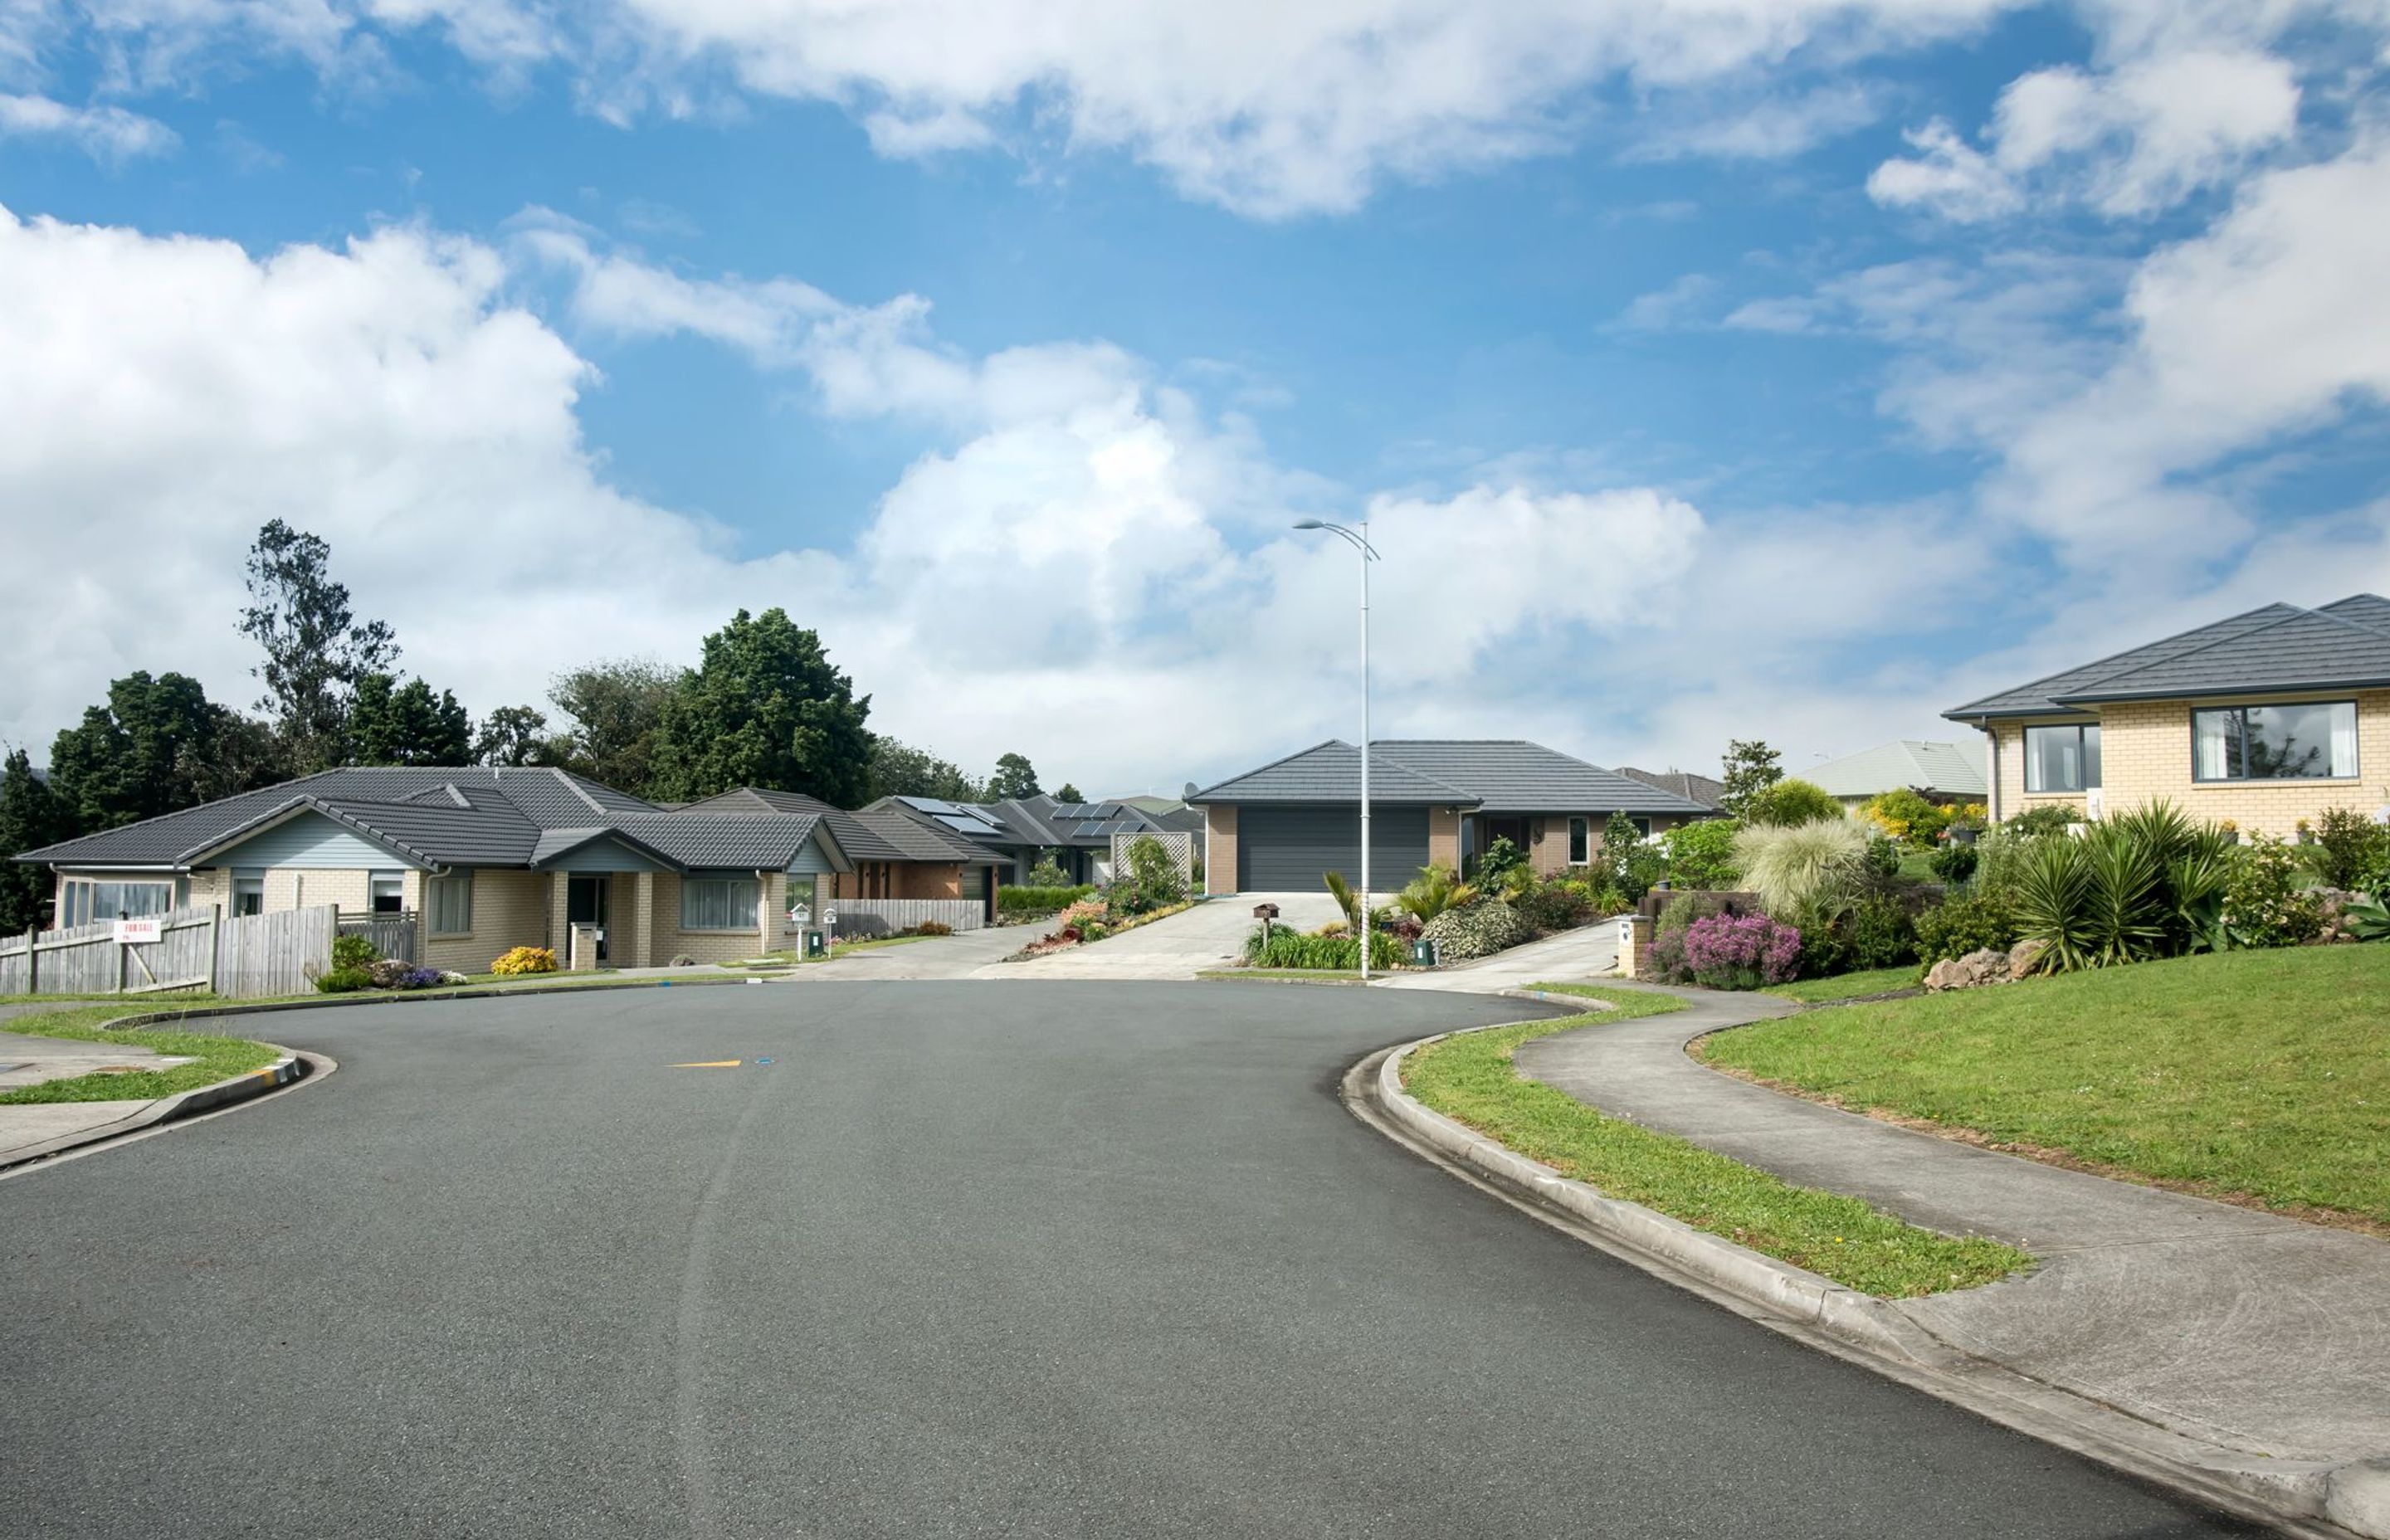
(2265, 719)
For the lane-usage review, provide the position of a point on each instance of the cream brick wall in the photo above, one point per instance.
(1444, 837)
(1220, 848)
(2010, 769)
(294, 888)
(707, 946)
(2145, 756)
(510, 910)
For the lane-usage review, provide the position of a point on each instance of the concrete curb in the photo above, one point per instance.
(2299, 1498)
(403, 997)
(287, 1069)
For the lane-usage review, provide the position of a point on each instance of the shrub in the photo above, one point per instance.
(1433, 890)
(1741, 951)
(524, 959)
(1483, 928)
(933, 928)
(1701, 854)
(346, 980)
(1554, 906)
(1790, 803)
(682, 960)
(1031, 902)
(2001, 856)
(1884, 856)
(1642, 868)
(1501, 858)
(1153, 881)
(353, 952)
(1881, 933)
(390, 973)
(2350, 850)
(1804, 872)
(1955, 862)
(1047, 873)
(417, 978)
(2147, 884)
(2052, 818)
(1965, 925)
(1288, 947)
(2263, 902)
(1906, 815)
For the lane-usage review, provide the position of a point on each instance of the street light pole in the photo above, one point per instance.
(1359, 541)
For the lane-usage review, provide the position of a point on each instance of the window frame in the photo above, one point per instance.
(248, 881)
(2242, 710)
(380, 878)
(754, 909)
(433, 888)
(71, 912)
(1580, 839)
(2090, 781)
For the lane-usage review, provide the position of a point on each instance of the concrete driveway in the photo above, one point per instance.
(1209, 935)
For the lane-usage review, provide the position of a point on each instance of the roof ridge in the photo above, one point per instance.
(2122, 653)
(1282, 759)
(2296, 614)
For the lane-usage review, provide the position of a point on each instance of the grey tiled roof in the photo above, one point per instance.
(1955, 768)
(907, 839)
(741, 841)
(862, 838)
(1708, 790)
(1497, 774)
(2341, 645)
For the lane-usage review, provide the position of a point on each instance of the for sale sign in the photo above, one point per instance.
(133, 933)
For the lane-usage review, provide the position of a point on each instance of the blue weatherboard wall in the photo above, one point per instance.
(810, 861)
(313, 843)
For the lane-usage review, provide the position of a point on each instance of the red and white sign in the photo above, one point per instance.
(133, 933)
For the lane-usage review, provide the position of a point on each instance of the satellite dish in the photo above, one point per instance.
(1191, 789)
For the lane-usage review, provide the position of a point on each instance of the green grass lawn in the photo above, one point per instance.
(1848, 987)
(1470, 1077)
(2259, 1076)
(1286, 975)
(216, 1058)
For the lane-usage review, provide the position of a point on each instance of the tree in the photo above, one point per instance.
(512, 736)
(1013, 777)
(1750, 768)
(764, 708)
(1069, 794)
(30, 818)
(394, 724)
(900, 770)
(316, 650)
(151, 750)
(616, 707)
(1790, 804)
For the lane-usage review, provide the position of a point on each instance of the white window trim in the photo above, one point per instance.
(2356, 747)
(2024, 748)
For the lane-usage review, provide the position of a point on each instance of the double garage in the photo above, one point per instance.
(1288, 847)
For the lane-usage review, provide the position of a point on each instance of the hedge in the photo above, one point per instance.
(1039, 901)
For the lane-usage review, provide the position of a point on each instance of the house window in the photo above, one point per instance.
(1580, 840)
(719, 903)
(449, 901)
(2062, 759)
(388, 892)
(249, 892)
(2313, 740)
(88, 901)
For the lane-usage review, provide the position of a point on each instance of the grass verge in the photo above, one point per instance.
(1470, 1077)
(213, 1058)
(2258, 1077)
(1850, 987)
(1285, 975)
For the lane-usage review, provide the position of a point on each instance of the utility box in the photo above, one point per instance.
(815, 945)
(1423, 952)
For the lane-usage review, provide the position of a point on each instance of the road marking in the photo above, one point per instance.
(712, 1064)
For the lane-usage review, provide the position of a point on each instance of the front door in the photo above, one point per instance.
(585, 904)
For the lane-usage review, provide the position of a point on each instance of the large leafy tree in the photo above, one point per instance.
(1069, 793)
(765, 708)
(30, 818)
(900, 770)
(1750, 768)
(152, 749)
(615, 706)
(512, 736)
(316, 650)
(395, 724)
(1014, 777)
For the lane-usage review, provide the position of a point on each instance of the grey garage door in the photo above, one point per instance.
(1288, 849)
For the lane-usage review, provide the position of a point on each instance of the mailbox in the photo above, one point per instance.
(1265, 911)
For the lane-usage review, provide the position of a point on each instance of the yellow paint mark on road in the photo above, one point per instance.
(712, 1064)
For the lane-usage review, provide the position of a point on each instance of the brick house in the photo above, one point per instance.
(1437, 802)
(2265, 719)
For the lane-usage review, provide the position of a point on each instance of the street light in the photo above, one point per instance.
(1359, 541)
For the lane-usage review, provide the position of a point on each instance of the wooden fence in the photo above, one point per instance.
(882, 916)
(246, 957)
(393, 935)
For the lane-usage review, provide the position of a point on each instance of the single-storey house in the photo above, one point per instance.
(1938, 772)
(1019, 831)
(488, 859)
(894, 856)
(1438, 801)
(1708, 790)
(2266, 719)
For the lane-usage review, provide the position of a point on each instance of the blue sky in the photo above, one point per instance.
(1797, 369)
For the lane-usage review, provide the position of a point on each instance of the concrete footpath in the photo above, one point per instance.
(2259, 1337)
(32, 1131)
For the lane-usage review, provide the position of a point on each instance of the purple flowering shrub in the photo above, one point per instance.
(1738, 952)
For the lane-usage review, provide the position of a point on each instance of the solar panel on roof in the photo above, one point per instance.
(929, 804)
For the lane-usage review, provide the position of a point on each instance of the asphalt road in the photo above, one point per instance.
(1102, 1259)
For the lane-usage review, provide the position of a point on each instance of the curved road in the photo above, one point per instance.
(1103, 1260)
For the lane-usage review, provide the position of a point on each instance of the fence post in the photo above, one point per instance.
(215, 922)
(33, 959)
(123, 949)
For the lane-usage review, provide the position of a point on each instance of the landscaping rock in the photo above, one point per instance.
(2024, 955)
(1972, 971)
(2332, 909)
